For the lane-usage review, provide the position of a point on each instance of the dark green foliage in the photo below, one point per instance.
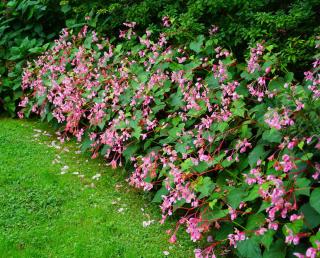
(25, 27)
(290, 26)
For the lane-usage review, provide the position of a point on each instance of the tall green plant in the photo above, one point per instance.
(291, 26)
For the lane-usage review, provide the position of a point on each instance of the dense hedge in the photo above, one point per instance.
(231, 148)
(289, 26)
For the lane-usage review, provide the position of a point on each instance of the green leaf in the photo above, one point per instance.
(211, 81)
(224, 231)
(70, 22)
(272, 135)
(314, 239)
(201, 167)
(242, 90)
(256, 154)
(300, 145)
(86, 144)
(190, 66)
(175, 100)
(215, 214)
(87, 42)
(159, 106)
(311, 217)
(104, 149)
(178, 204)
(277, 250)
(186, 165)
(65, 8)
(235, 197)
(245, 131)
(267, 238)
(158, 196)
(258, 112)
(41, 99)
(315, 199)
(147, 144)
(143, 76)
(49, 117)
(294, 227)
(130, 150)
(196, 45)
(137, 132)
(302, 185)
(253, 194)
(288, 77)
(276, 84)
(102, 124)
(204, 186)
(307, 156)
(222, 126)
(175, 131)
(255, 221)
(181, 147)
(249, 248)
(264, 206)
(238, 109)
(35, 50)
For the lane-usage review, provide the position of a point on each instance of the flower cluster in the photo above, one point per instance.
(197, 128)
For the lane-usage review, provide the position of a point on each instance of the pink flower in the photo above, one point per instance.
(233, 213)
(273, 225)
(300, 105)
(311, 252)
(113, 164)
(277, 121)
(193, 230)
(198, 253)
(130, 24)
(287, 164)
(235, 238)
(173, 239)
(213, 29)
(268, 69)
(256, 53)
(261, 231)
(24, 102)
(273, 120)
(243, 145)
(292, 239)
(166, 21)
(316, 174)
(294, 217)
(181, 59)
(209, 239)
(262, 81)
(20, 114)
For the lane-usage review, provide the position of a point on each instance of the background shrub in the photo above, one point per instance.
(289, 26)
(26, 27)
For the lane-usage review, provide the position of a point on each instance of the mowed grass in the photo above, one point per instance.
(44, 213)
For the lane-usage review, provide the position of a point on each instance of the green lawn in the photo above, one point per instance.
(46, 211)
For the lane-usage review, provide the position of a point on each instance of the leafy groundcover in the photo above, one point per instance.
(230, 148)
